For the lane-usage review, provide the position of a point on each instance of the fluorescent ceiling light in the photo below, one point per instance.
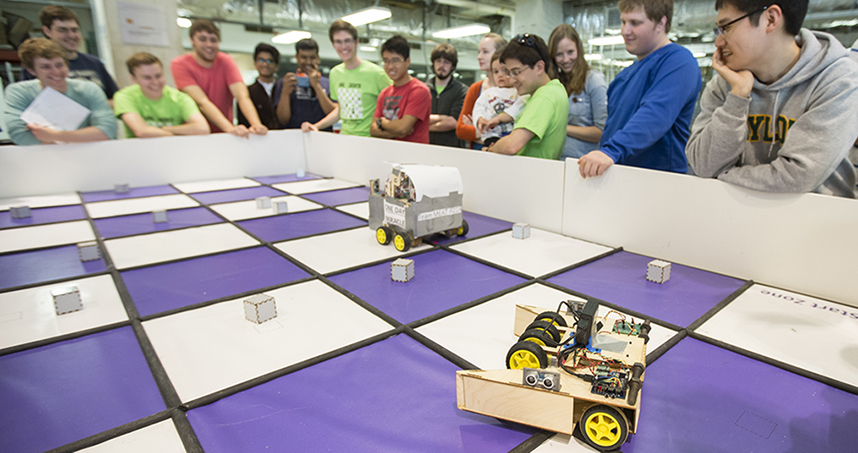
(593, 56)
(366, 16)
(606, 41)
(465, 30)
(698, 54)
(368, 48)
(183, 22)
(291, 36)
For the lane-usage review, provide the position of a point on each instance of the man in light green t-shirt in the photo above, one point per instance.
(151, 109)
(355, 85)
(540, 129)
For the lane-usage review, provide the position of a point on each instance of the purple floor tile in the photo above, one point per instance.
(478, 225)
(442, 280)
(339, 197)
(57, 394)
(300, 224)
(701, 398)
(170, 286)
(129, 225)
(395, 395)
(226, 196)
(286, 178)
(621, 279)
(40, 216)
(24, 268)
(135, 192)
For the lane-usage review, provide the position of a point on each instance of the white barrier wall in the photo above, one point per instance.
(518, 189)
(807, 243)
(50, 169)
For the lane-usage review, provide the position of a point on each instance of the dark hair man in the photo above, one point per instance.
(355, 85)
(540, 129)
(448, 96)
(266, 59)
(304, 96)
(650, 103)
(213, 80)
(403, 108)
(59, 24)
(150, 108)
(780, 115)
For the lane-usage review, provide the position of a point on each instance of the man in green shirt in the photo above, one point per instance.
(540, 129)
(355, 85)
(152, 109)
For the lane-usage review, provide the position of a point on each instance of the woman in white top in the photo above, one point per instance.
(586, 88)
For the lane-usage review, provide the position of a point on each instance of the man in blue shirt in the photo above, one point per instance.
(303, 96)
(650, 103)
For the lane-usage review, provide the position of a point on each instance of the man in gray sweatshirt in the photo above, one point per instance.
(780, 115)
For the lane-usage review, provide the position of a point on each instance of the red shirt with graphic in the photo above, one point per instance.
(412, 98)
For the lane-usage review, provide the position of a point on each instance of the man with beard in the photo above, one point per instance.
(448, 96)
(266, 59)
(212, 79)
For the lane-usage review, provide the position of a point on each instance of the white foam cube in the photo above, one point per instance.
(159, 216)
(402, 270)
(88, 251)
(281, 207)
(121, 188)
(260, 308)
(521, 230)
(66, 300)
(20, 212)
(300, 173)
(658, 271)
(263, 203)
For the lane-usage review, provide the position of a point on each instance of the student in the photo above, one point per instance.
(46, 61)
(448, 96)
(780, 115)
(212, 79)
(403, 108)
(540, 130)
(307, 99)
(59, 24)
(150, 108)
(465, 128)
(650, 103)
(497, 108)
(355, 85)
(586, 88)
(266, 59)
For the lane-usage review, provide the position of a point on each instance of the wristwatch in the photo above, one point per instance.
(378, 123)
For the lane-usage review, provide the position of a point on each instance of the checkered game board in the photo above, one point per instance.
(161, 358)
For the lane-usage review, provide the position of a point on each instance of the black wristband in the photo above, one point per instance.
(378, 123)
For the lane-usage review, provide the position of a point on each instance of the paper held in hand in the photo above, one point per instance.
(53, 109)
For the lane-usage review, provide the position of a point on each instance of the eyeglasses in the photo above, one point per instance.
(721, 29)
(392, 61)
(265, 60)
(515, 72)
(530, 41)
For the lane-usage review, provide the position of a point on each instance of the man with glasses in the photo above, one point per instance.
(212, 79)
(355, 85)
(540, 129)
(780, 115)
(650, 103)
(59, 24)
(403, 109)
(304, 95)
(266, 59)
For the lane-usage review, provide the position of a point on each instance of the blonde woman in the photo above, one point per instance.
(465, 128)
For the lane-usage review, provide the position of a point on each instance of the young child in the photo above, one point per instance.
(497, 107)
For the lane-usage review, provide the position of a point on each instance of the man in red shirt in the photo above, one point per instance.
(212, 79)
(403, 108)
